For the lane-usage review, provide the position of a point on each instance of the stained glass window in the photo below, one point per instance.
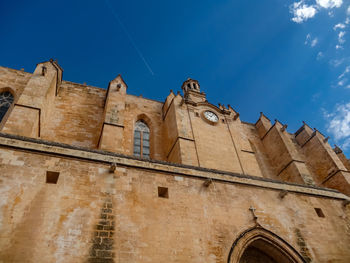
(6, 99)
(141, 140)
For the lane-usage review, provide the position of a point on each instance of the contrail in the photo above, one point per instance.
(129, 37)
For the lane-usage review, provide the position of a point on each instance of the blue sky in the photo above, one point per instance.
(288, 59)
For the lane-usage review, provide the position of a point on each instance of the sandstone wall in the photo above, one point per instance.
(188, 203)
(13, 81)
(76, 115)
(94, 215)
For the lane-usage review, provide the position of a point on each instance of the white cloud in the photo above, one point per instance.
(338, 47)
(319, 55)
(341, 37)
(340, 25)
(329, 3)
(308, 37)
(348, 11)
(309, 40)
(342, 82)
(339, 124)
(302, 12)
(314, 42)
(341, 40)
(343, 79)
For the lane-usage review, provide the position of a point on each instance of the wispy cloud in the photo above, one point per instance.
(338, 124)
(320, 55)
(338, 47)
(342, 78)
(340, 25)
(342, 82)
(337, 62)
(310, 41)
(346, 71)
(341, 37)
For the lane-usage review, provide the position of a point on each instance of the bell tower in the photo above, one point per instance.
(190, 85)
(192, 92)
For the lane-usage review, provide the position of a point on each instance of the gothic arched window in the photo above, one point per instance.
(6, 99)
(141, 139)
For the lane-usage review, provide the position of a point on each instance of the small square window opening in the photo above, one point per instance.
(163, 192)
(319, 212)
(52, 177)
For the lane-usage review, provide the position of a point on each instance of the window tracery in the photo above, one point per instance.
(141, 140)
(6, 100)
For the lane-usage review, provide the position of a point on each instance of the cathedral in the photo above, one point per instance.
(99, 176)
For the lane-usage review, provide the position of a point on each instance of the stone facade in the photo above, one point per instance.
(215, 188)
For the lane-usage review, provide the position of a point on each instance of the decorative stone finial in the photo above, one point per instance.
(337, 149)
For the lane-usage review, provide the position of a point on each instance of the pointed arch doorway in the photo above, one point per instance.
(258, 245)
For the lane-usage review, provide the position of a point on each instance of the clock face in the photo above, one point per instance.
(211, 116)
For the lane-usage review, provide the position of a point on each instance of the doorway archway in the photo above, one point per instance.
(259, 245)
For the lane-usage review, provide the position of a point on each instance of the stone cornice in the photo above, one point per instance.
(44, 147)
(208, 105)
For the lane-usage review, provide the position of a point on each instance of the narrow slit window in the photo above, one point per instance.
(141, 140)
(6, 100)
